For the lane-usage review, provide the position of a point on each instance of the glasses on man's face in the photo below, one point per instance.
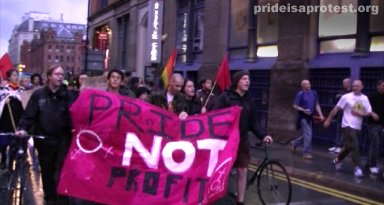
(58, 74)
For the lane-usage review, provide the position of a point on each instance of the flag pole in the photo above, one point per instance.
(10, 113)
(210, 94)
(1, 78)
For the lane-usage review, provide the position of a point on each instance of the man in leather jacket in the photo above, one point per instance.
(48, 112)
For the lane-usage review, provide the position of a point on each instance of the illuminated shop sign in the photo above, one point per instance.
(155, 24)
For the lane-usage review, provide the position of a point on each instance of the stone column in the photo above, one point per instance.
(294, 40)
(362, 31)
(169, 32)
(252, 27)
(216, 37)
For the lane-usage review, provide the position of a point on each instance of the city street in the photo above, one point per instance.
(151, 102)
(307, 193)
(304, 191)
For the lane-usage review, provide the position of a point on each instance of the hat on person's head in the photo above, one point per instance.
(236, 78)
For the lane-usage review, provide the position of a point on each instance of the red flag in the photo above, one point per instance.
(5, 65)
(223, 77)
(168, 69)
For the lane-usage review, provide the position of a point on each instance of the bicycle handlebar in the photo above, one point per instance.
(26, 136)
(259, 144)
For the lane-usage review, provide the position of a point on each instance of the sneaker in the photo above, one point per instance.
(338, 165)
(358, 173)
(374, 170)
(337, 150)
(308, 156)
(331, 149)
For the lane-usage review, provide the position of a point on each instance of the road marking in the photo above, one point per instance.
(326, 190)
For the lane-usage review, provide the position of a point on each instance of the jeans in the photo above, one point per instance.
(351, 145)
(306, 137)
(375, 131)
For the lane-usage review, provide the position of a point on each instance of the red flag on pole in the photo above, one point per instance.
(5, 65)
(223, 77)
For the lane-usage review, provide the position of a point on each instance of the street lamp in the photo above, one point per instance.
(20, 67)
(86, 38)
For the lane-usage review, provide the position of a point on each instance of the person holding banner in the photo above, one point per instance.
(237, 94)
(205, 95)
(114, 79)
(11, 110)
(175, 99)
(48, 111)
(194, 105)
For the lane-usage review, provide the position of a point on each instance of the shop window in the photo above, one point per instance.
(327, 83)
(337, 30)
(101, 38)
(189, 29)
(267, 31)
(337, 23)
(337, 45)
(103, 3)
(369, 77)
(239, 23)
(377, 26)
(264, 29)
(259, 93)
(122, 38)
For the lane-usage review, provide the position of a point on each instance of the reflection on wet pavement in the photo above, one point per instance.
(33, 195)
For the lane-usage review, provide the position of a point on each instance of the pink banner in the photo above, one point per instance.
(125, 151)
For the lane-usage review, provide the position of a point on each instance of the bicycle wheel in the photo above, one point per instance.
(16, 185)
(18, 181)
(22, 181)
(12, 181)
(273, 184)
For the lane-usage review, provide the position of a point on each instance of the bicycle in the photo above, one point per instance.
(273, 182)
(18, 168)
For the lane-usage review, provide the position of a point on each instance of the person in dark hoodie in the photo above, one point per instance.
(194, 105)
(142, 92)
(237, 94)
(48, 111)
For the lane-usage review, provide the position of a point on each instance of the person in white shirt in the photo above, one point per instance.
(355, 106)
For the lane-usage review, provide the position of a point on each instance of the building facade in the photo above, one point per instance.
(118, 31)
(35, 24)
(278, 47)
(54, 47)
(24, 32)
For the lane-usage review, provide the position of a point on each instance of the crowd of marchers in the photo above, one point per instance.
(47, 113)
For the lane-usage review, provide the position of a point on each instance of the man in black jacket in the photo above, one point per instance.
(48, 112)
(238, 95)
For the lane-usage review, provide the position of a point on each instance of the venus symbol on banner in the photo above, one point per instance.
(89, 151)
